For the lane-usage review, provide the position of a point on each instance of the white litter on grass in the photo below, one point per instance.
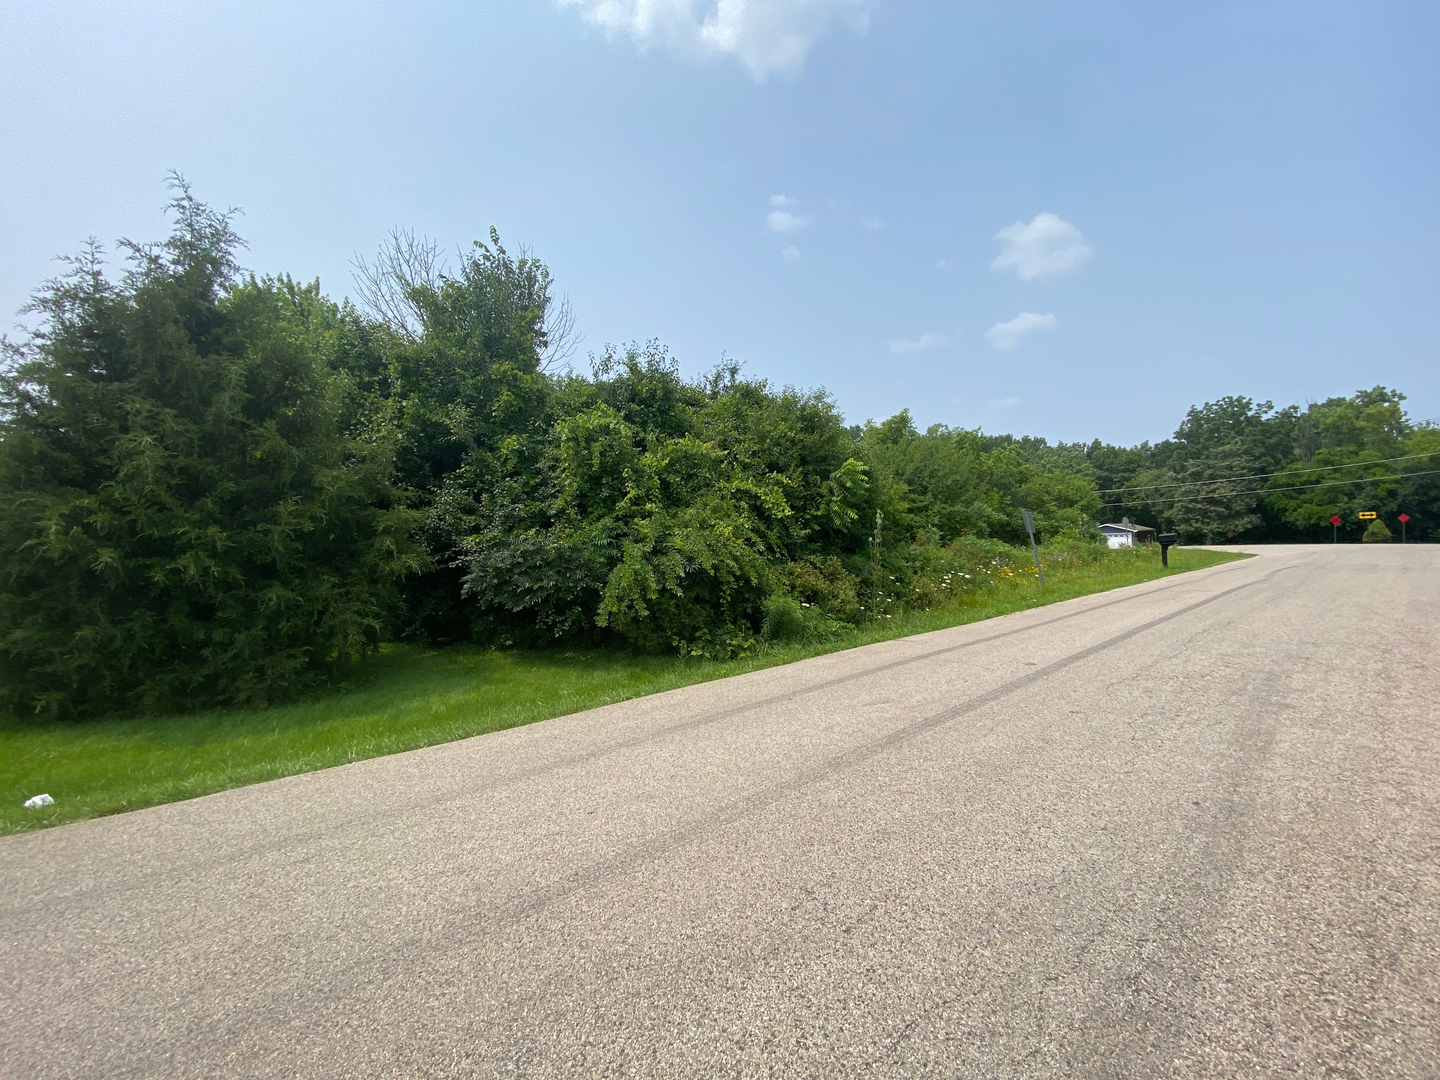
(37, 801)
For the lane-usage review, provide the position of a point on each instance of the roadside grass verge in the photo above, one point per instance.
(407, 698)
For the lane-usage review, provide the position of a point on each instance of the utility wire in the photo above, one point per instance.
(1297, 487)
(1262, 476)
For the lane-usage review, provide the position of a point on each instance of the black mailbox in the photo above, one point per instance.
(1165, 540)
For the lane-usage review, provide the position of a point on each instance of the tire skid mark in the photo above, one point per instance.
(468, 924)
(753, 802)
(708, 718)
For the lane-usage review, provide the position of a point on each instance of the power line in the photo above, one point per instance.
(1262, 476)
(1297, 487)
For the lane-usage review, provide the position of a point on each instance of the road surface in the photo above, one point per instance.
(1185, 829)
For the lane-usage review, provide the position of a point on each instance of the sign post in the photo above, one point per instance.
(1335, 529)
(1403, 519)
(1030, 528)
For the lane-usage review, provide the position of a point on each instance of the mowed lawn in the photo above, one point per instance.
(407, 698)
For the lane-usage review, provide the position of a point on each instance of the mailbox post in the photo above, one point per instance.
(1165, 540)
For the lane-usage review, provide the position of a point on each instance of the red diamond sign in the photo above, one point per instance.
(1335, 521)
(1404, 517)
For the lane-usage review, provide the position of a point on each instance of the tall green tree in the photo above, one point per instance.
(465, 350)
(190, 510)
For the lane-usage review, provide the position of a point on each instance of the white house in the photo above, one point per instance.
(1126, 535)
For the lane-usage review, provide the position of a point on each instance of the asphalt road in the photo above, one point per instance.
(1187, 829)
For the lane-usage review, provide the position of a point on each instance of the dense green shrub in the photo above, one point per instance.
(789, 621)
(784, 619)
(656, 511)
(823, 582)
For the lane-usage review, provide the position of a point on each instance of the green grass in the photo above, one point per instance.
(408, 698)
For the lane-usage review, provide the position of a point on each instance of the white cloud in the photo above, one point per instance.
(899, 347)
(783, 221)
(872, 223)
(1049, 245)
(1003, 403)
(940, 265)
(767, 36)
(781, 200)
(790, 254)
(1006, 335)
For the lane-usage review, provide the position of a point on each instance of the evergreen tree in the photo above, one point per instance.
(184, 518)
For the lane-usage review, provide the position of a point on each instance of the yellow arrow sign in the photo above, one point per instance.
(1367, 515)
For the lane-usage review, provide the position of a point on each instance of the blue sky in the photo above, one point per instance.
(1071, 220)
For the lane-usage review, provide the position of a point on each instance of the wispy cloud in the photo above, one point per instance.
(872, 223)
(781, 200)
(940, 264)
(1006, 335)
(899, 346)
(767, 36)
(786, 221)
(1047, 246)
(791, 254)
(1003, 403)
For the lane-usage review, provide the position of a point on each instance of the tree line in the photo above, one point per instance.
(220, 488)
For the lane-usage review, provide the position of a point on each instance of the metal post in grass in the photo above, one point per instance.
(1030, 528)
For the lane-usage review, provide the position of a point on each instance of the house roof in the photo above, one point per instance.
(1127, 527)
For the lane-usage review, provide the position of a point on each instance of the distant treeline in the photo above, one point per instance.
(217, 488)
